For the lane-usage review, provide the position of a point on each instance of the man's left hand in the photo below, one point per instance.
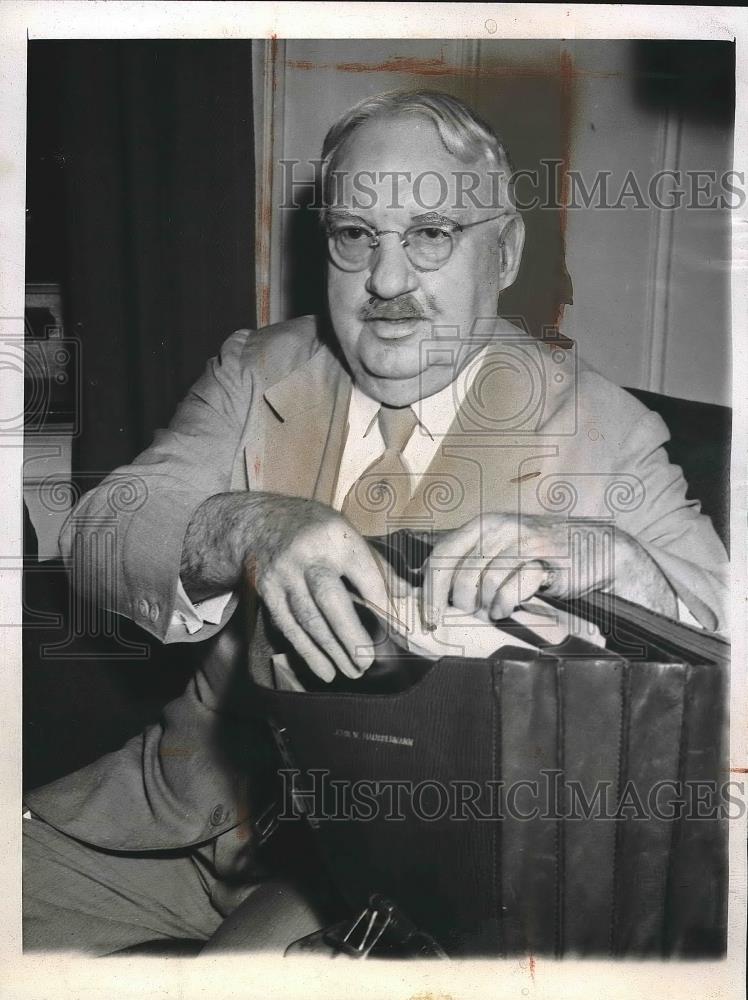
(495, 562)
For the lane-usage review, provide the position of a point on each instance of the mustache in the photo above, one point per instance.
(405, 307)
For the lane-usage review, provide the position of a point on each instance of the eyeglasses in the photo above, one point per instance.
(427, 246)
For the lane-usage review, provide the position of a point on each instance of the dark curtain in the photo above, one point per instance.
(140, 181)
(152, 155)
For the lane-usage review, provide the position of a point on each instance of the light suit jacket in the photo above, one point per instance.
(537, 433)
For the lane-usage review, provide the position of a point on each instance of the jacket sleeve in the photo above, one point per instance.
(123, 540)
(673, 531)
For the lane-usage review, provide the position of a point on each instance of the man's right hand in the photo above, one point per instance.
(296, 554)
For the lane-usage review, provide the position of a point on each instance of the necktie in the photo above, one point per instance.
(375, 502)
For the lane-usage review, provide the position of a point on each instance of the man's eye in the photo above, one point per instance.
(431, 234)
(353, 234)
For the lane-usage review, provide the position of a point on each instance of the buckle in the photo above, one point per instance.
(366, 930)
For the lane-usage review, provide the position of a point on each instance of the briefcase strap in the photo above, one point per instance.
(265, 825)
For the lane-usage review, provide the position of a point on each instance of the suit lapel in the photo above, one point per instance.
(293, 446)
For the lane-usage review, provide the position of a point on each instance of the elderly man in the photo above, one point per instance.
(416, 405)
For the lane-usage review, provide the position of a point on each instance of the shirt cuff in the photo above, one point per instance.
(191, 616)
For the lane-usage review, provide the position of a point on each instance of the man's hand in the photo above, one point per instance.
(296, 554)
(496, 561)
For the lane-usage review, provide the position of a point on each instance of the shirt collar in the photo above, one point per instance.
(362, 412)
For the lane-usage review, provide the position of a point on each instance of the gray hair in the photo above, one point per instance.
(461, 130)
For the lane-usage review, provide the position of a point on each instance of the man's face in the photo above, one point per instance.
(384, 314)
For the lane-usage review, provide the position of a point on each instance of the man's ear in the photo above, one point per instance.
(512, 241)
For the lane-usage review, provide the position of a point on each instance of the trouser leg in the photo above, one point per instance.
(80, 898)
(275, 915)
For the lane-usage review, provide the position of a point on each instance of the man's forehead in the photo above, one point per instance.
(402, 164)
(408, 143)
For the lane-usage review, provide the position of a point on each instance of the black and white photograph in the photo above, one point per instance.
(374, 514)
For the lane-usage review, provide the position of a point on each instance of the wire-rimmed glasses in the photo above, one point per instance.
(429, 245)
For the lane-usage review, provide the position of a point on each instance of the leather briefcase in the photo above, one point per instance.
(565, 800)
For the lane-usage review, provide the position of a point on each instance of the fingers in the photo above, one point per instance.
(334, 601)
(318, 618)
(477, 580)
(312, 621)
(493, 587)
(478, 570)
(515, 588)
(466, 581)
(439, 571)
(317, 661)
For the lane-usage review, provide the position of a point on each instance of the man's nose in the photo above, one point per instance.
(391, 274)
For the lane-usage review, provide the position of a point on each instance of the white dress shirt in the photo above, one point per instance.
(363, 445)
